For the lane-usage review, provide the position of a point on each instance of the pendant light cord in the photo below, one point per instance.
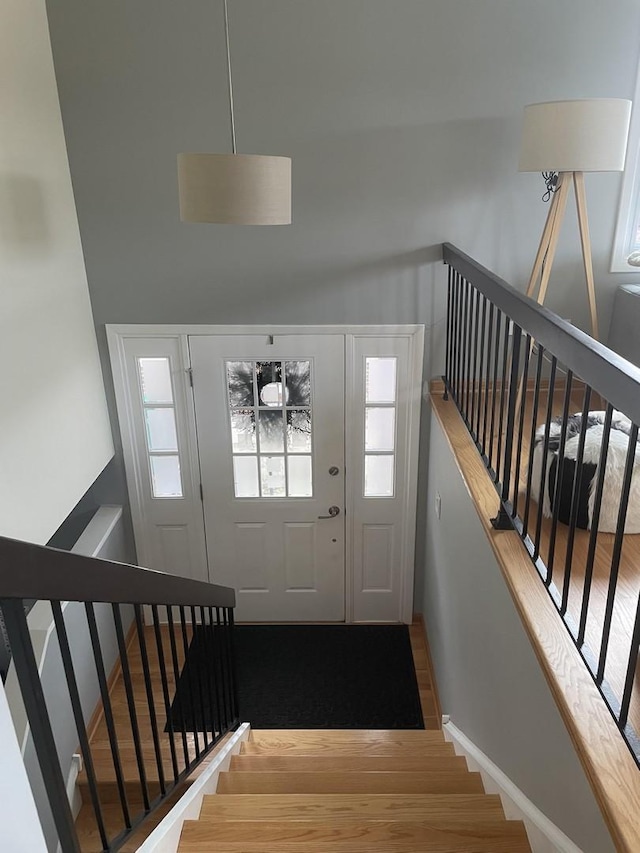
(226, 36)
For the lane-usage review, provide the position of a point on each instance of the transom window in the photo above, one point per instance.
(380, 426)
(271, 434)
(159, 415)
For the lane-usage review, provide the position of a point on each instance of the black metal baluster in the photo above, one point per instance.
(575, 500)
(447, 369)
(212, 645)
(555, 510)
(532, 442)
(223, 673)
(205, 628)
(481, 388)
(545, 453)
(496, 360)
(631, 670)
(78, 716)
(474, 378)
(469, 333)
(235, 708)
(36, 707)
(165, 690)
(205, 734)
(487, 383)
(464, 337)
(108, 712)
(190, 665)
(455, 350)
(595, 521)
(617, 549)
(131, 704)
(511, 412)
(503, 395)
(176, 679)
(523, 405)
(150, 700)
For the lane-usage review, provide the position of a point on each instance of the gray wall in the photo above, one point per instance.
(488, 678)
(403, 122)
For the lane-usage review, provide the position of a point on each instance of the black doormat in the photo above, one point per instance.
(312, 677)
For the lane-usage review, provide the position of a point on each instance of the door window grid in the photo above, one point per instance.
(159, 420)
(380, 426)
(271, 434)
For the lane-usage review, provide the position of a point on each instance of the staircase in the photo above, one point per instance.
(351, 791)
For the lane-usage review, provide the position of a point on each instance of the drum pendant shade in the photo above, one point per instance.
(235, 189)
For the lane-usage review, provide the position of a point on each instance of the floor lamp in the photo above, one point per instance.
(563, 140)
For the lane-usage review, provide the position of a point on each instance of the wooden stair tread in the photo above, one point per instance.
(112, 816)
(346, 763)
(341, 735)
(352, 807)
(355, 782)
(443, 836)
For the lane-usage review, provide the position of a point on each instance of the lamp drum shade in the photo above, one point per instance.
(588, 135)
(235, 189)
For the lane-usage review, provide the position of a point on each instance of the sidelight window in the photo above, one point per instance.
(159, 415)
(380, 426)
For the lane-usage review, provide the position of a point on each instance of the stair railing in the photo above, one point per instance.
(517, 374)
(151, 620)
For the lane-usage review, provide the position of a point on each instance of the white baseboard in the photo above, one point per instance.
(165, 838)
(544, 836)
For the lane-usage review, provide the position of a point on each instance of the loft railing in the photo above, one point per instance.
(555, 417)
(150, 620)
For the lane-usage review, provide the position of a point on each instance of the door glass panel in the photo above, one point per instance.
(270, 416)
(272, 477)
(161, 429)
(155, 380)
(378, 476)
(298, 380)
(299, 431)
(271, 391)
(380, 381)
(243, 431)
(299, 469)
(240, 383)
(245, 476)
(165, 477)
(271, 431)
(380, 428)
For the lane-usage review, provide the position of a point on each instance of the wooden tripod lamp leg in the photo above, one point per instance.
(544, 240)
(585, 239)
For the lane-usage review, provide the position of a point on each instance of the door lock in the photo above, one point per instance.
(334, 471)
(333, 511)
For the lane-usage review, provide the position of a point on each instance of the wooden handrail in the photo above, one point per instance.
(29, 571)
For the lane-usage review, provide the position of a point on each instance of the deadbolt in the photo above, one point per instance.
(334, 471)
(333, 511)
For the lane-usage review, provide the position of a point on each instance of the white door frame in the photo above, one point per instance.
(116, 333)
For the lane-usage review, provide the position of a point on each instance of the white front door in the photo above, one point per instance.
(270, 424)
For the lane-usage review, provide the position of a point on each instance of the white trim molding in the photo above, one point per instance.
(544, 836)
(165, 838)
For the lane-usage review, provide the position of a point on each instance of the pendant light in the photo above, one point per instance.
(234, 189)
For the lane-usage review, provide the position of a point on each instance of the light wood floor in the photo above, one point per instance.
(628, 585)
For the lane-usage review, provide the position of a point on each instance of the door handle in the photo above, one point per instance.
(333, 511)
